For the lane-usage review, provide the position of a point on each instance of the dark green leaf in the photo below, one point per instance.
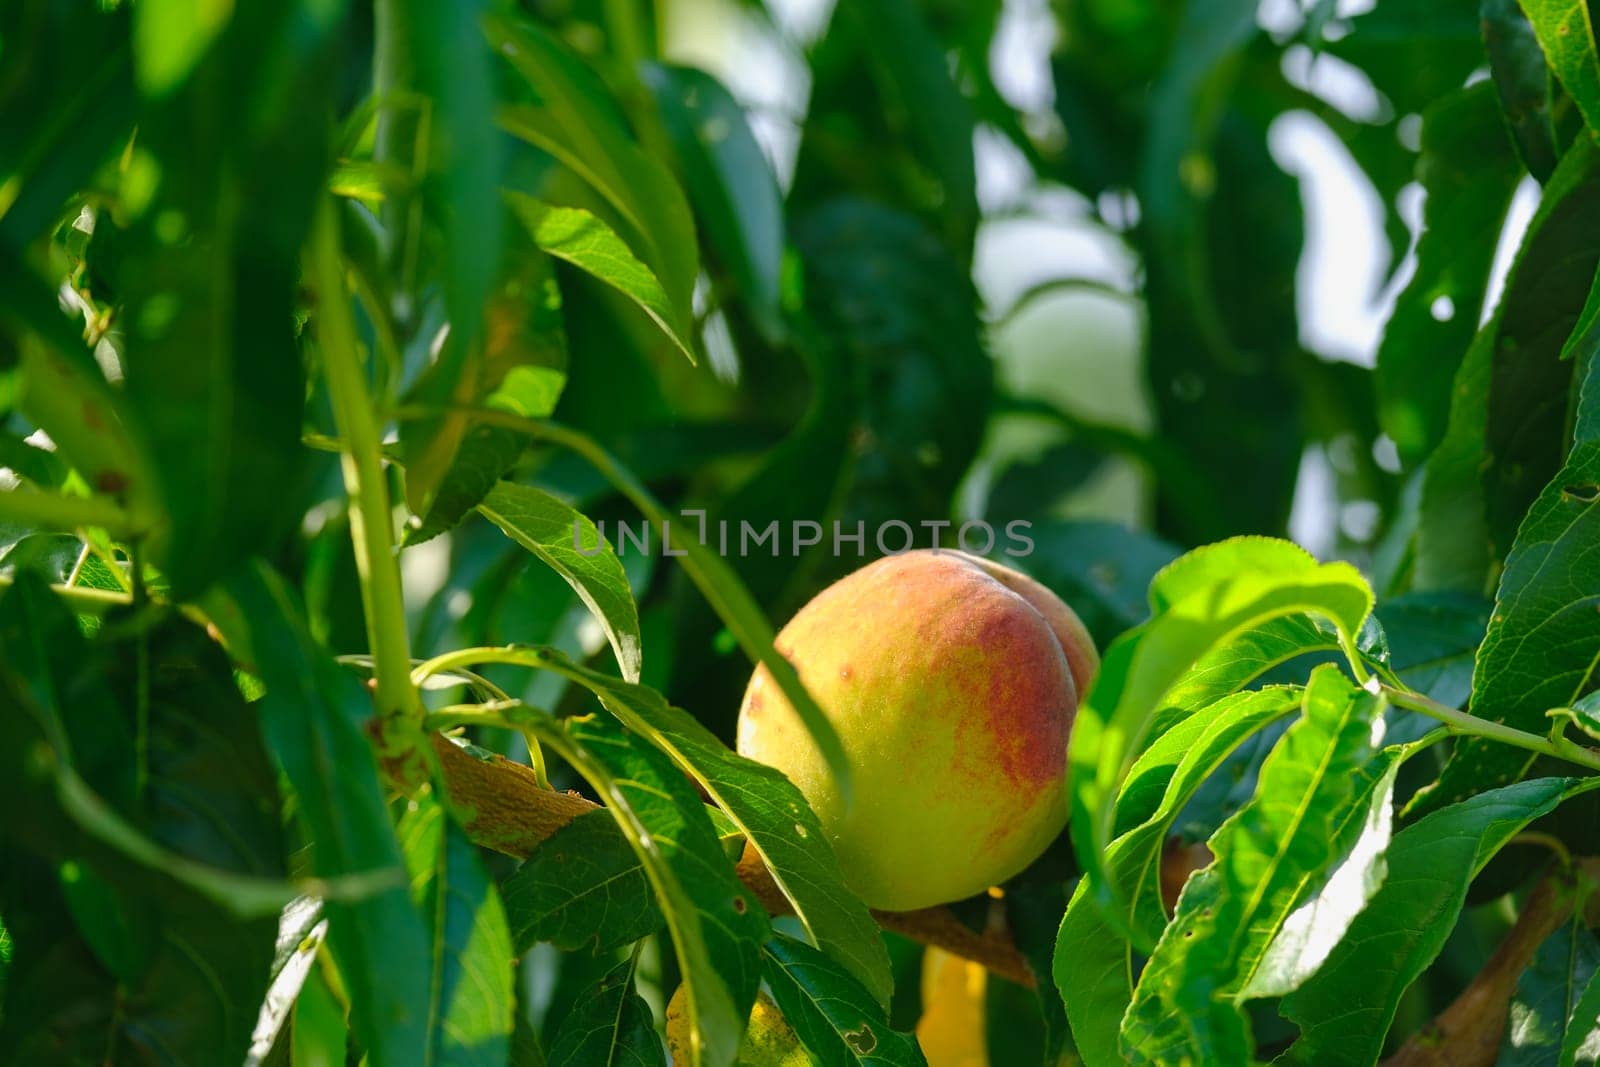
(63, 117)
(1345, 1009)
(729, 180)
(114, 959)
(582, 890)
(208, 277)
(836, 1019)
(1547, 993)
(1468, 173)
(470, 989)
(312, 717)
(611, 1026)
(1523, 82)
(715, 925)
(1542, 644)
(1433, 638)
(1582, 1042)
(768, 808)
(1566, 33)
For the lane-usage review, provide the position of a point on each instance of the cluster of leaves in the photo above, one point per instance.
(276, 271)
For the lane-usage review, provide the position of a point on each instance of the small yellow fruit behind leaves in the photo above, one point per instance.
(951, 1029)
(768, 1040)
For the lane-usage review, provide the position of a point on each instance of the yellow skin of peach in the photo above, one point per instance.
(952, 682)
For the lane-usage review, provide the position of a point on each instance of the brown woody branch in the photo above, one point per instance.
(1468, 1033)
(512, 813)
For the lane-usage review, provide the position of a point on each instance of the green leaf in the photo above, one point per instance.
(1185, 1005)
(436, 95)
(1585, 714)
(470, 997)
(1433, 638)
(1344, 1011)
(1506, 431)
(1542, 646)
(578, 237)
(582, 889)
(1547, 993)
(571, 546)
(1468, 173)
(63, 391)
(1200, 602)
(1094, 962)
(519, 373)
(1546, 292)
(574, 119)
(716, 927)
(939, 117)
(170, 36)
(1581, 1045)
(1522, 80)
(1566, 33)
(729, 180)
(836, 1019)
(70, 104)
(1101, 568)
(208, 279)
(1452, 528)
(115, 958)
(312, 716)
(611, 1025)
(770, 811)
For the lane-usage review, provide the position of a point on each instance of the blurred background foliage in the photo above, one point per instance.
(1143, 273)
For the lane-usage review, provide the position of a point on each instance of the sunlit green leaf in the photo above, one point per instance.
(570, 545)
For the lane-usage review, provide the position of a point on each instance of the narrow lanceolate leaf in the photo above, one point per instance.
(572, 547)
(1184, 1007)
(582, 890)
(1548, 993)
(1522, 80)
(1094, 961)
(1508, 417)
(209, 285)
(1543, 648)
(1566, 33)
(312, 717)
(771, 812)
(470, 994)
(1344, 1010)
(735, 193)
(573, 117)
(716, 926)
(580, 238)
(1468, 171)
(837, 1020)
(1200, 602)
(611, 1025)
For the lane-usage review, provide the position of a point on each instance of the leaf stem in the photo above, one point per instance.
(1461, 722)
(716, 581)
(371, 521)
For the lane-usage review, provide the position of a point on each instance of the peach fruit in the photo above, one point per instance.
(952, 682)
